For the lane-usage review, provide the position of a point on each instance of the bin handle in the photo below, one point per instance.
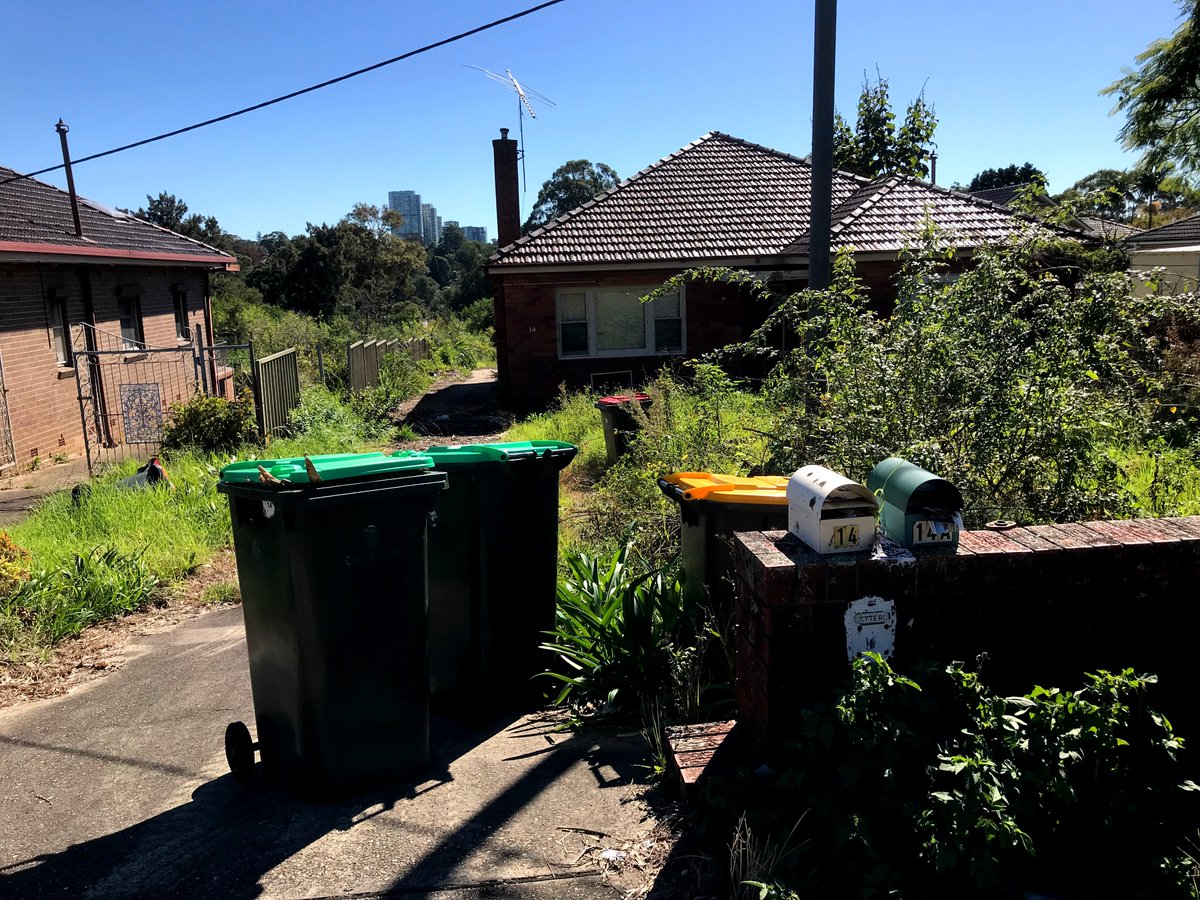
(673, 491)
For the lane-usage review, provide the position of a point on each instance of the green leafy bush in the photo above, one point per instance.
(400, 379)
(1012, 379)
(615, 630)
(211, 424)
(944, 789)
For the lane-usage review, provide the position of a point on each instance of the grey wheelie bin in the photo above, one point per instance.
(713, 507)
(331, 555)
(616, 413)
(493, 569)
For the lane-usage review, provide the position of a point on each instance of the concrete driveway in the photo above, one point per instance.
(120, 789)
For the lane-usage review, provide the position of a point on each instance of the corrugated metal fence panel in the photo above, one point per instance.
(278, 380)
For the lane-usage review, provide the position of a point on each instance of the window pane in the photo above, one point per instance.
(668, 335)
(572, 307)
(667, 306)
(131, 327)
(181, 316)
(620, 321)
(574, 337)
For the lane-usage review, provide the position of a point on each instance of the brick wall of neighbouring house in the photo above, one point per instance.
(526, 331)
(1045, 604)
(42, 398)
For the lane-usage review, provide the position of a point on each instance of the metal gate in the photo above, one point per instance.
(125, 394)
(8, 453)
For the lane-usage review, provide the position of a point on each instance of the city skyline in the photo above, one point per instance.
(421, 219)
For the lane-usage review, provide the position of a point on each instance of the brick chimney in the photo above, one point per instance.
(508, 198)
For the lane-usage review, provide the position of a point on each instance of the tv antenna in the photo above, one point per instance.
(524, 95)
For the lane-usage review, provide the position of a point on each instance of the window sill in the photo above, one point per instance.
(600, 357)
(64, 372)
(181, 342)
(134, 356)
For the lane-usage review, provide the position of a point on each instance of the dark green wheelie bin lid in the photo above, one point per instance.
(329, 467)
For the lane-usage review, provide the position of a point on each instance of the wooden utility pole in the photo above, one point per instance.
(821, 210)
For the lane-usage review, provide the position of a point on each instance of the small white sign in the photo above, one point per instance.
(870, 626)
(268, 509)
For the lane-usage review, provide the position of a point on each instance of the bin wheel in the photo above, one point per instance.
(239, 750)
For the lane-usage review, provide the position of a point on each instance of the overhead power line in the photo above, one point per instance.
(307, 90)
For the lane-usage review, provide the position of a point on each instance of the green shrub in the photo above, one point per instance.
(93, 587)
(400, 379)
(1012, 379)
(703, 425)
(615, 630)
(210, 424)
(943, 789)
(322, 423)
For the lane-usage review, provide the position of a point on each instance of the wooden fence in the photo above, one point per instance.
(364, 359)
(277, 383)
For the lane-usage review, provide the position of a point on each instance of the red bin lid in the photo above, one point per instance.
(618, 399)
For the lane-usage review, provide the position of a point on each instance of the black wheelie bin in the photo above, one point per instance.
(493, 570)
(331, 556)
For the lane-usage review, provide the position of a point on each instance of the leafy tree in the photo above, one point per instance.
(1009, 175)
(168, 211)
(572, 184)
(875, 146)
(1156, 183)
(1106, 193)
(1161, 97)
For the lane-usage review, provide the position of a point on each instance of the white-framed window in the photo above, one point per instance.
(604, 321)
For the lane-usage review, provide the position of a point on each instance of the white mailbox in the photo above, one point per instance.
(829, 512)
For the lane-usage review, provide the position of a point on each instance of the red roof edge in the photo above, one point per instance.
(229, 263)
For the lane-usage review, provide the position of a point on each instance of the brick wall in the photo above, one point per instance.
(527, 336)
(1044, 603)
(42, 397)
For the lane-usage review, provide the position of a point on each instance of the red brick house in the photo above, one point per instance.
(118, 281)
(567, 296)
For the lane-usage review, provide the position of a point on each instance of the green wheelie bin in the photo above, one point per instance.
(331, 556)
(712, 508)
(493, 569)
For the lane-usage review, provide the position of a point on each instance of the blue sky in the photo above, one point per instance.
(633, 81)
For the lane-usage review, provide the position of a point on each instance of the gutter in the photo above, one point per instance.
(18, 251)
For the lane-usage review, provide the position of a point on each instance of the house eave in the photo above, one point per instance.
(752, 263)
(18, 251)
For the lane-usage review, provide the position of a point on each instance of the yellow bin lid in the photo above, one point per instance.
(769, 490)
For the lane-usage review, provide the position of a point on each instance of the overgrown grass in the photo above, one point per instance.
(1162, 481)
(102, 551)
(175, 528)
(574, 419)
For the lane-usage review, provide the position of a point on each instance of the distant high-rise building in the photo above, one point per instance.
(431, 225)
(409, 205)
(475, 233)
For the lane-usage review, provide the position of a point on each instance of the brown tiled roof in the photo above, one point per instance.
(1181, 231)
(722, 198)
(35, 219)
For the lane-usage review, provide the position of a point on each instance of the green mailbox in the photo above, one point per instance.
(917, 509)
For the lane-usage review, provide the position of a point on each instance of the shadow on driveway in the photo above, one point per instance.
(231, 834)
